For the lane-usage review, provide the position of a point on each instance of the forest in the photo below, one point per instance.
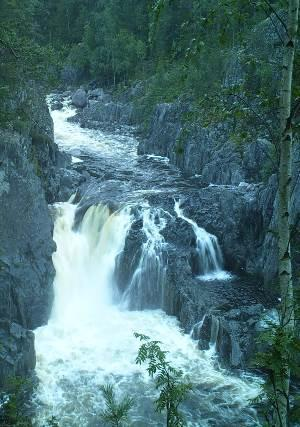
(116, 43)
(150, 213)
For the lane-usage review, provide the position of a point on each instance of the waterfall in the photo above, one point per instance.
(89, 339)
(214, 331)
(146, 289)
(209, 259)
(94, 247)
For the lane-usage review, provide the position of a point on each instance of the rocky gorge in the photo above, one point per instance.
(231, 202)
(227, 198)
(226, 195)
(149, 213)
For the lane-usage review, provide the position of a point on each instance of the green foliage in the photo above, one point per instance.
(12, 410)
(280, 354)
(23, 58)
(116, 413)
(173, 390)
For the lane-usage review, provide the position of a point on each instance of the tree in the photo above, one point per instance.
(173, 390)
(287, 318)
(116, 413)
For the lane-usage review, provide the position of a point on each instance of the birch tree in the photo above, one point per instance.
(287, 322)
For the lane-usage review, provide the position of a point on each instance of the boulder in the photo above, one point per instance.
(79, 98)
(103, 114)
(96, 93)
(67, 93)
(70, 180)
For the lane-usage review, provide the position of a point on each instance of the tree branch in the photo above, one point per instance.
(278, 17)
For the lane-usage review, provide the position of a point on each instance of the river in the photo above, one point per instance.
(89, 339)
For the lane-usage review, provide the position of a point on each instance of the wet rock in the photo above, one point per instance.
(204, 150)
(99, 95)
(70, 181)
(127, 261)
(103, 114)
(67, 93)
(235, 304)
(57, 105)
(232, 214)
(232, 333)
(29, 180)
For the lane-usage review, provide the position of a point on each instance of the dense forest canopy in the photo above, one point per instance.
(115, 41)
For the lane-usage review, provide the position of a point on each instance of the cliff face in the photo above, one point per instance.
(209, 152)
(28, 180)
(198, 149)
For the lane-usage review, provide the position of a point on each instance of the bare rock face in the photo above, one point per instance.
(79, 98)
(29, 180)
(232, 333)
(26, 237)
(17, 355)
(204, 150)
(26, 270)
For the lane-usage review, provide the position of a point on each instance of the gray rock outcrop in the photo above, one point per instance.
(204, 150)
(79, 98)
(29, 180)
(17, 355)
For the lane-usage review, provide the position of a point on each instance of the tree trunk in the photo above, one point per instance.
(285, 178)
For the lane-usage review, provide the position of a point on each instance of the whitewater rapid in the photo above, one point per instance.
(89, 339)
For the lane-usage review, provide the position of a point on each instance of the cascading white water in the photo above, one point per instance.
(89, 340)
(76, 140)
(92, 248)
(146, 288)
(209, 254)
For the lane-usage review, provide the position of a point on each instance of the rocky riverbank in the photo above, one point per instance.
(208, 152)
(238, 214)
(29, 180)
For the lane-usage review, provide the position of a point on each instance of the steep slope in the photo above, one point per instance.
(28, 180)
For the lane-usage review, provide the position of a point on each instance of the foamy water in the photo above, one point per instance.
(89, 339)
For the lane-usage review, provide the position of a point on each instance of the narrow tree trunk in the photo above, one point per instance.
(285, 177)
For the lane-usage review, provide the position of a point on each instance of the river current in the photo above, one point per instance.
(89, 339)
